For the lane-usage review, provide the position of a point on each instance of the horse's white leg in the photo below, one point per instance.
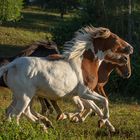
(78, 113)
(10, 107)
(86, 113)
(42, 118)
(107, 122)
(87, 109)
(34, 118)
(78, 103)
(22, 102)
(43, 121)
(85, 93)
(29, 115)
(84, 109)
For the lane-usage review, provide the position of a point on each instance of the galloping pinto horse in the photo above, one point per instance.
(101, 79)
(40, 49)
(64, 77)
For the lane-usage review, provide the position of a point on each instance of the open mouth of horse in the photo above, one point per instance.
(124, 75)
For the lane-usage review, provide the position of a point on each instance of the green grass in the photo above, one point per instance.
(124, 117)
(35, 26)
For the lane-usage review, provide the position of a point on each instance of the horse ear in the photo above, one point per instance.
(101, 33)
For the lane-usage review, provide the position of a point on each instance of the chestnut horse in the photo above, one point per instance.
(103, 75)
(65, 77)
(105, 70)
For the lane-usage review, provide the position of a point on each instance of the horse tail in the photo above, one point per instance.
(5, 68)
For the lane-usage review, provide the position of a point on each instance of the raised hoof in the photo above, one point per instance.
(112, 129)
(47, 123)
(100, 123)
(75, 119)
(61, 117)
(45, 130)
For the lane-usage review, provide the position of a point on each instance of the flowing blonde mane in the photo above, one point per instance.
(83, 40)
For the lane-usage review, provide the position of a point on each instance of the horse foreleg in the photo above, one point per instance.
(100, 90)
(102, 121)
(85, 93)
(29, 115)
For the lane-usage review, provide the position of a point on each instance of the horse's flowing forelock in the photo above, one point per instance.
(83, 40)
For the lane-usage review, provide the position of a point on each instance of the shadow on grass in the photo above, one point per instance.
(118, 98)
(34, 21)
(8, 50)
(119, 133)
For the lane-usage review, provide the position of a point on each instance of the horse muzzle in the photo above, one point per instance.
(128, 50)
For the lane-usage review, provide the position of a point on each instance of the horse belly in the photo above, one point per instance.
(57, 81)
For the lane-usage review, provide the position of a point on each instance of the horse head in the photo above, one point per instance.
(115, 48)
(103, 44)
(124, 70)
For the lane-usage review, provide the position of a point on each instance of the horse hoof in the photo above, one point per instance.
(45, 130)
(112, 129)
(75, 119)
(100, 123)
(61, 117)
(47, 123)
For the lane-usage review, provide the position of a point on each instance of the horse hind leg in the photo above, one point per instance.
(46, 122)
(92, 95)
(29, 113)
(18, 109)
(46, 107)
(43, 120)
(10, 108)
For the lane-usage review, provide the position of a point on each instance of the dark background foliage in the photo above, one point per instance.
(121, 17)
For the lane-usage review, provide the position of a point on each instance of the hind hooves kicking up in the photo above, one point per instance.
(62, 116)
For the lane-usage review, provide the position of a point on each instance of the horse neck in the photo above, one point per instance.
(76, 66)
(90, 66)
(104, 71)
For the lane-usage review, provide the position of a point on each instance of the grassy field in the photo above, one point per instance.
(125, 118)
(13, 38)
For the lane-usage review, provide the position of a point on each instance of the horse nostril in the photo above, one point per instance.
(129, 49)
(127, 75)
(125, 58)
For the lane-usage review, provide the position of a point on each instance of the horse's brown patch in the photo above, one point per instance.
(90, 69)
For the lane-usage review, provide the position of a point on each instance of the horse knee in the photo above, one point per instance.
(105, 102)
(79, 103)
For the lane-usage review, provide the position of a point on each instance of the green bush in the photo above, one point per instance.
(64, 31)
(10, 10)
